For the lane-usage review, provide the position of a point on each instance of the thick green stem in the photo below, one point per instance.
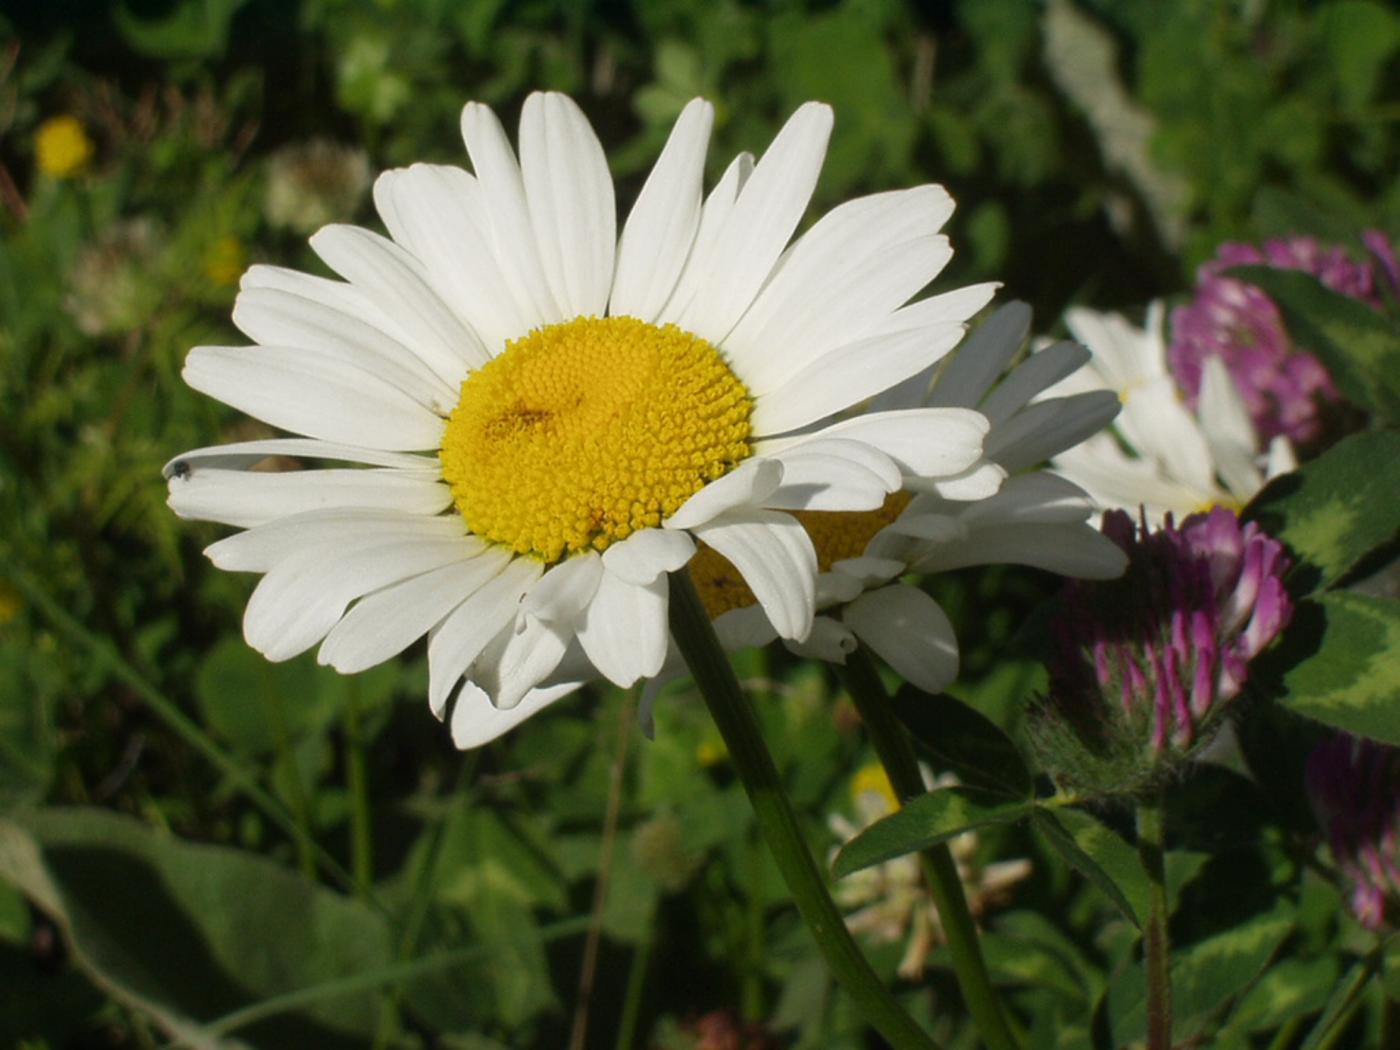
(357, 773)
(896, 754)
(738, 725)
(1156, 946)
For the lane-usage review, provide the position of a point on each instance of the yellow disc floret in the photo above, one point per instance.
(581, 433)
(836, 535)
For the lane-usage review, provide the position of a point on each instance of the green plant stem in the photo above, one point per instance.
(632, 999)
(104, 653)
(1156, 946)
(357, 772)
(896, 754)
(738, 725)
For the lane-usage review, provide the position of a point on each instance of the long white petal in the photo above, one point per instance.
(570, 196)
(645, 555)
(266, 546)
(909, 631)
(240, 455)
(773, 553)
(966, 379)
(315, 394)
(247, 498)
(334, 295)
(532, 650)
(1228, 429)
(477, 721)
(624, 629)
(564, 591)
(661, 227)
(747, 485)
(1048, 428)
(1031, 378)
(833, 475)
(1067, 549)
(714, 214)
(922, 442)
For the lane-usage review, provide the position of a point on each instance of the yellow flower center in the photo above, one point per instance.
(583, 432)
(872, 779)
(836, 535)
(62, 147)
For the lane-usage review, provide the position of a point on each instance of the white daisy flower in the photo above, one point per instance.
(939, 524)
(1162, 456)
(553, 414)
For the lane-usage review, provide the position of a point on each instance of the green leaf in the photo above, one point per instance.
(1059, 838)
(184, 933)
(1360, 348)
(1293, 988)
(1360, 36)
(964, 740)
(194, 29)
(1351, 680)
(927, 821)
(1334, 510)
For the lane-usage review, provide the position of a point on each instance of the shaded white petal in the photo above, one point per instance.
(910, 632)
(385, 623)
(246, 498)
(570, 196)
(301, 599)
(923, 524)
(460, 638)
(977, 482)
(846, 376)
(985, 354)
(315, 394)
(745, 628)
(503, 193)
(1048, 428)
(1070, 550)
(645, 555)
(565, 590)
(867, 570)
(261, 548)
(531, 652)
(713, 216)
(395, 280)
(1032, 377)
(661, 227)
(955, 307)
(240, 455)
(1156, 423)
(1038, 497)
(832, 474)
(773, 553)
(477, 721)
(1228, 429)
(924, 442)
(760, 224)
(1282, 459)
(1126, 357)
(437, 213)
(830, 640)
(747, 485)
(624, 630)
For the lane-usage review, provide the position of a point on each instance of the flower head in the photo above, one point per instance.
(1163, 456)
(313, 183)
(1355, 789)
(591, 406)
(62, 148)
(1285, 388)
(112, 283)
(1145, 666)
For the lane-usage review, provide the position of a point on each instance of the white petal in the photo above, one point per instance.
(503, 191)
(955, 307)
(747, 485)
(966, 379)
(745, 628)
(564, 591)
(645, 555)
(1158, 426)
(315, 394)
(846, 376)
(247, 498)
(977, 482)
(395, 280)
(1038, 497)
(1031, 378)
(713, 216)
(276, 318)
(266, 546)
(1282, 459)
(437, 213)
(461, 637)
(570, 196)
(334, 295)
(867, 570)
(1228, 429)
(830, 641)
(301, 599)
(925, 442)
(530, 654)
(773, 553)
(624, 631)
(833, 474)
(910, 632)
(241, 455)
(388, 621)
(661, 227)
(760, 224)
(477, 721)
(1070, 550)
(1048, 428)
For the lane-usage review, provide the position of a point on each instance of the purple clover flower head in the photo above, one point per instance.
(1355, 789)
(1285, 388)
(1145, 665)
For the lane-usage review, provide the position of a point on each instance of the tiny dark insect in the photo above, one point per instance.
(179, 469)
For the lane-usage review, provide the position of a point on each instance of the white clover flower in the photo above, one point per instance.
(941, 523)
(553, 414)
(1162, 456)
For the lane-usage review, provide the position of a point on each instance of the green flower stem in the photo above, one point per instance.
(357, 773)
(738, 725)
(1156, 948)
(896, 754)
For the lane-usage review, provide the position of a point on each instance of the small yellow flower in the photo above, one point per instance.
(873, 780)
(225, 260)
(62, 147)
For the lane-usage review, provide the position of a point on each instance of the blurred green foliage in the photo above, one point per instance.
(1199, 121)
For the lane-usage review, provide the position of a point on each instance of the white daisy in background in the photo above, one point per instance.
(937, 524)
(548, 416)
(1162, 456)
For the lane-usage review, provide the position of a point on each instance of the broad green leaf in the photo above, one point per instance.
(1069, 850)
(1360, 348)
(963, 740)
(1334, 510)
(194, 29)
(926, 821)
(1351, 679)
(183, 933)
(1293, 988)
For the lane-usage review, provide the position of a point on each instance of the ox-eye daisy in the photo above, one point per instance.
(553, 415)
